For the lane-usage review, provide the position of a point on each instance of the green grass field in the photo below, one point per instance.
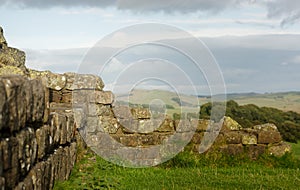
(187, 172)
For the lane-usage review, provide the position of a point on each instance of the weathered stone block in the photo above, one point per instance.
(167, 126)
(110, 125)
(203, 124)
(197, 138)
(2, 183)
(3, 107)
(38, 102)
(265, 127)
(10, 152)
(254, 151)
(232, 149)
(27, 150)
(55, 96)
(147, 140)
(269, 137)
(184, 126)
(148, 126)
(141, 113)
(67, 96)
(92, 124)
(61, 108)
(83, 81)
(129, 125)
(15, 92)
(95, 109)
(249, 139)
(213, 137)
(71, 128)
(104, 97)
(42, 137)
(279, 149)
(122, 112)
(50, 80)
(11, 58)
(1, 160)
(233, 137)
(129, 140)
(11, 177)
(230, 125)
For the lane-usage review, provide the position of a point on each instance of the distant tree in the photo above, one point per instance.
(288, 123)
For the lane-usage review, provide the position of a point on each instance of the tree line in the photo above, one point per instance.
(288, 123)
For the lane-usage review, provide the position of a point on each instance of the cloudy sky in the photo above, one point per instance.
(255, 43)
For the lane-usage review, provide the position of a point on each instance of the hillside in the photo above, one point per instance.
(286, 101)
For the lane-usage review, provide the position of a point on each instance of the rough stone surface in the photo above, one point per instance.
(248, 139)
(279, 149)
(254, 151)
(203, 124)
(51, 80)
(2, 38)
(230, 124)
(166, 126)
(141, 113)
(12, 60)
(268, 134)
(268, 137)
(232, 149)
(81, 81)
(234, 137)
(266, 127)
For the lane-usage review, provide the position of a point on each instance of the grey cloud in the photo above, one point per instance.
(254, 63)
(288, 10)
(167, 6)
(176, 5)
(56, 3)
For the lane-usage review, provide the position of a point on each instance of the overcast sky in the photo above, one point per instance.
(255, 43)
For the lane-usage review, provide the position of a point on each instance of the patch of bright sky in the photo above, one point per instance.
(61, 28)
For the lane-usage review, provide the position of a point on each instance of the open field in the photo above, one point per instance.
(286, 101)
(289, 101)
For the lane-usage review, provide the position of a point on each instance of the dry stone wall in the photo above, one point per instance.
(38, 128)
(37, 144)
(41, 114)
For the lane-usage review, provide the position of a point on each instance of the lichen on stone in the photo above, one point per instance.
(11, 59)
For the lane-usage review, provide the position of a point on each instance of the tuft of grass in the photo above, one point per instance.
(296, 149)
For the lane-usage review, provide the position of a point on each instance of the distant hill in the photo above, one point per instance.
(286, 101)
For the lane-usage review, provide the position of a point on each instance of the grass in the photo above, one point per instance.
(296, 149)
(187, 171)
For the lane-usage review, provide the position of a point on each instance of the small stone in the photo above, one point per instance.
(230, 124)
(279, 149)
(51, 80)
(141, 113)
(248, 139)
(83, 81)
(265, 127)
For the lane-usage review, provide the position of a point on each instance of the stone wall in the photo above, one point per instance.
(38, 128)
(41, 114)
(37, 143)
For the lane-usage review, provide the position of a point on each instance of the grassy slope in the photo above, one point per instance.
(289, 101)
(94, 173)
